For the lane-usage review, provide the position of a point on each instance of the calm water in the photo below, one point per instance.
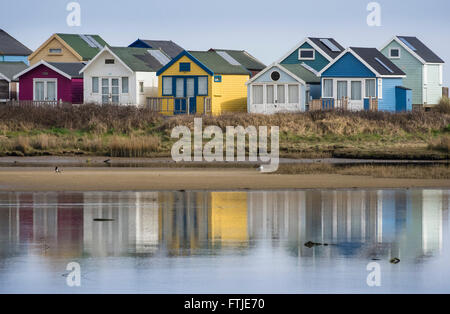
(225, 242)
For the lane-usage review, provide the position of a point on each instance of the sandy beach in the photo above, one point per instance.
(145, 179)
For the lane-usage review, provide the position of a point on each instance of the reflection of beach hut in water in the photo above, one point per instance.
(228, 218)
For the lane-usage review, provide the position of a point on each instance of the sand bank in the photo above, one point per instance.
(144, 179)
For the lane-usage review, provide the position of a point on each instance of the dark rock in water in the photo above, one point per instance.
(395, 260)
(310, 244)
(103, 220)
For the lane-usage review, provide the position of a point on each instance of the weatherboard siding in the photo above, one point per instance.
(318, 64)
(348, 66)
(266, 77)
(230, 95)
(64, 85)
(44, 54)
(388, 103)
(412, 68)
(99, 69)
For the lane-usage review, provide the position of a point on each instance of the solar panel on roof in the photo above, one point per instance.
(384, 65)
(330, 45)
(94, 42)
(158, 55)
(407, 43)
(86, 39)
(228, 58)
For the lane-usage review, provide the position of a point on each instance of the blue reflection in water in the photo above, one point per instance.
(225, 242)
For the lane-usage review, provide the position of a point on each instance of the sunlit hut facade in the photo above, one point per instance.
(199, 82)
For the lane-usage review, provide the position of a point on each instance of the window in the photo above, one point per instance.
(356, 90)
(95, 85)
(141, 87)
(342, 89)
(394, 53)
(281, 94)
(257, 91)
(328, 88)
(293, 94)
(203, 86)
(275, 76)
(167, 86)
(125, 85)
(185, 67)
(371, 88)
(306, 54)
(45, 90)
(109, 61)
(270, 94)
(55, 50)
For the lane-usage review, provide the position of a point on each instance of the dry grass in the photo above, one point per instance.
(134, 146)
(443, 106)
(441, 144)
(376, 171)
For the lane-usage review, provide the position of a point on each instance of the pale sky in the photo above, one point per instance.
(266, 28)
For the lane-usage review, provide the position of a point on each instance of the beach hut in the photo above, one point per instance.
(202, 82)
(361, 78)
(11, 50)
(68, 48)
(9, 86)
(123, 75)
(423, 68)
(51, 82)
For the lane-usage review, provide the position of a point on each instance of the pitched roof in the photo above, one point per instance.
(168, 46)
(10, 69)
(243, 57)
(421, 49)
(70, 68)
(301, 72)
(319, 42)
(213, 61)
(138, 59)
(370, 56)
(81, 46)
(9, 46)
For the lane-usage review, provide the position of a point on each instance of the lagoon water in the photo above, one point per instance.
(226, 242)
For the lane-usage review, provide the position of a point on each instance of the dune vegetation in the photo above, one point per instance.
(127, 131)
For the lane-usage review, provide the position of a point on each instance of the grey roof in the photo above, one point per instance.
(423, 51)
(168, 46)
(370, 55)
(324, 47)
(9, 46)
(70, 68)
(10, 69)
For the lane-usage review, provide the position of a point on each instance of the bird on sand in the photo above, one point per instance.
(261, 168)
(57, 170)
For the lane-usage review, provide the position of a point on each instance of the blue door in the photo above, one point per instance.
(180, 104)
(186, 88)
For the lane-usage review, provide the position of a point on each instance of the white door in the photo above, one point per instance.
(110, 91)
(356, 99)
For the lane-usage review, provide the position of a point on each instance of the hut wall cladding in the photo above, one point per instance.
(4, 89)
(42, 72)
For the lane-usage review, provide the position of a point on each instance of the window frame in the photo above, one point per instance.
(332, 89)
(198, 85)
(128, 85)
(366, 87)
(98, 85)
(185, 67)
(110, 63)
(50, 52)
(141, 90)
(306, 58)
(164, 84)
(253, 94)
(395, 57)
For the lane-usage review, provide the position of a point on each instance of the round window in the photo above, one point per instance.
(275, 76)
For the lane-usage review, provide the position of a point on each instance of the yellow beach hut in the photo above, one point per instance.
(201, 82)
